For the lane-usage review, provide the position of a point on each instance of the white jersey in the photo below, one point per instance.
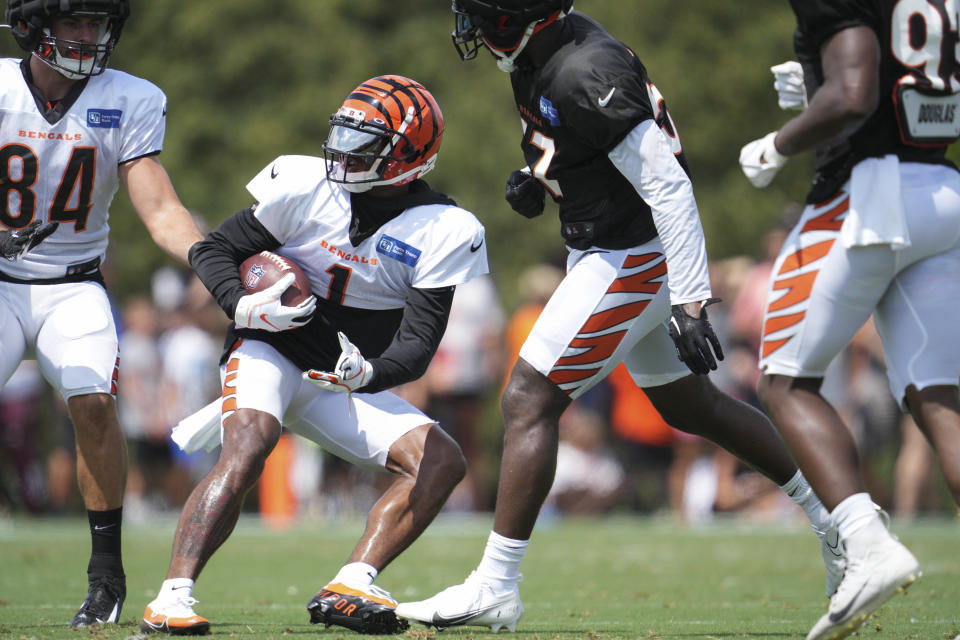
(67, 171)
(425, 247)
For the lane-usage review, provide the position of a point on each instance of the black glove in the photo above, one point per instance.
(14, 243)
(690, 335)
(525, 194)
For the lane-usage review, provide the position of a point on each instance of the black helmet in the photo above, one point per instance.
(31, 20)
(503, 26)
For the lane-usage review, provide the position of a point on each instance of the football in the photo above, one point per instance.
(265, 268)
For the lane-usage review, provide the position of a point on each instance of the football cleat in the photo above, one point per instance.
(104, 602)
(367, 609)
(875, 571)
(833, 559)
(176, 618)
(475, 602)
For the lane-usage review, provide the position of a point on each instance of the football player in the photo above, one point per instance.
(881, 233)
(598, 138)
(71, 132)
(383, 254)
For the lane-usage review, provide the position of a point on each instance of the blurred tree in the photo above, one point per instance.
(247, 81)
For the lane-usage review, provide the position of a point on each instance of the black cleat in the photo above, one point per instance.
(371, 611)
(104, 601)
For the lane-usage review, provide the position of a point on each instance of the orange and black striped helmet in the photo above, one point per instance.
(387, 131)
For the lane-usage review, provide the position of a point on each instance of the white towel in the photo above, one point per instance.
(877, 214)
(200, 430)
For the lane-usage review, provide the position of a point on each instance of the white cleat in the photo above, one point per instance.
(833, 559)
(876, 569)
(475, 602)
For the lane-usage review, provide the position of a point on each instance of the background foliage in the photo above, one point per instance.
(248, 80)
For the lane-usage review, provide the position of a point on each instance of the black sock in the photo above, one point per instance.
(105, 557)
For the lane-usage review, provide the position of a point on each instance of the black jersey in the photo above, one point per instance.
(919, 79)
(576, 108)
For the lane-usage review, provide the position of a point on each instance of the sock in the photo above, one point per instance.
(105, 556)
(803, 496)
(856, 513)
(356, 574)
(501, 559)
(174, 589)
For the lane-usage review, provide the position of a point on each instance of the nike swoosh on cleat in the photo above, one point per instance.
(441, 621)
(840, 615)
(104, 527)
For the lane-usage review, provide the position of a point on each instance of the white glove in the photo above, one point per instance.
(351, 372)
(760, 160)
(263, 310)
(788, 81)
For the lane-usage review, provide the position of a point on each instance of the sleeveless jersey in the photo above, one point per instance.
(919, 110)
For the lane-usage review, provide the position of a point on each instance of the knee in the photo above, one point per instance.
(443, 459)
(529, 399)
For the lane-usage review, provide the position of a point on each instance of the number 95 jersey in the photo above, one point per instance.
(66, 170)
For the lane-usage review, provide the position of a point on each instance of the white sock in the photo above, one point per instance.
(501, 559)
(175, 588)
(856, 513)
(356, 574)
(803, 496)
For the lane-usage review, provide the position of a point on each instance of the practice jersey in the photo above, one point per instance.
(575, 109)
(362, 290)
(67, 171)
(919, 111)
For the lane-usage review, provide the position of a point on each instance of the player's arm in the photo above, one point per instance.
(848, 96)
(156, 203)
(407, 357)
(217, 258)
(646, 159)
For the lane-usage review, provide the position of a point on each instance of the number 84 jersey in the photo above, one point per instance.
(66, 170)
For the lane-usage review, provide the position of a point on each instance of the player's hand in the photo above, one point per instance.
(263, 310)
(525, 193)
(760, 160)
(15, 243)
(788, 81)
(351, 373)
(693, 336)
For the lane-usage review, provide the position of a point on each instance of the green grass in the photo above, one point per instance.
(592, 579)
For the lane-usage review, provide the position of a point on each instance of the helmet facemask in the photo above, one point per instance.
(505, 31)
(73, 58)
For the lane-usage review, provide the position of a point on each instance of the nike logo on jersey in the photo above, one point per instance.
(273, 172)
(606, 99)
(104, 527)
(475, 247)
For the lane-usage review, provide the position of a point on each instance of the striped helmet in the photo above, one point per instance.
(387, 131)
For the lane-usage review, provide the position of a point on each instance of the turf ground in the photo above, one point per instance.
(591, 579)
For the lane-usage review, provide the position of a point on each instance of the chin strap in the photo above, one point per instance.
(506, 62)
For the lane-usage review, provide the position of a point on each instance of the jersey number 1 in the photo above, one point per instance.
(77, 179)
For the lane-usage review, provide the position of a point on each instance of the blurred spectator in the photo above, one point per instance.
(463, 372)
(142, 417)
(22, 482)
(588, 480)
(644, 443)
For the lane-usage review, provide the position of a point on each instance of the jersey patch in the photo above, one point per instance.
(393, 248)
(549, 111)
(104, 118)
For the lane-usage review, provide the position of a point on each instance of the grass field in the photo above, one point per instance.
(591, 579)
